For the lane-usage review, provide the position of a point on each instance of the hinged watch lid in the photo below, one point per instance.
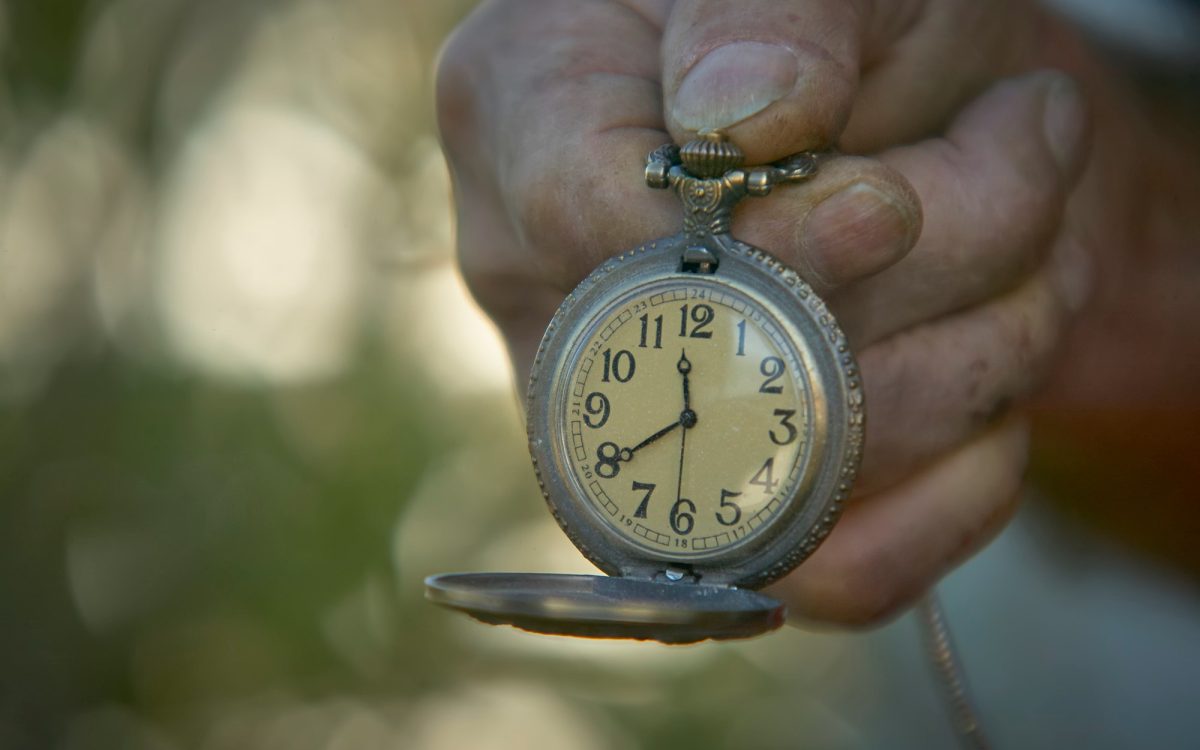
(608, 606)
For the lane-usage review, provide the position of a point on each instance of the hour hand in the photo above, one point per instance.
(627, 453)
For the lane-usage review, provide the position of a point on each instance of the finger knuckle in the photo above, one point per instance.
(1027, 200)
(457, 83)
(455, 103)
(1025, 337)
(1032, 338)
(569, 212)
(539, 206)
(869, 595)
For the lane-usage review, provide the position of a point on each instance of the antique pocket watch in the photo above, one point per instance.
(695, 420)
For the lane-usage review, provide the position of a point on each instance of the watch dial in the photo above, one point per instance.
(686, 418)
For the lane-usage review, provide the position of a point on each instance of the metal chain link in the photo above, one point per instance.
(949, 670)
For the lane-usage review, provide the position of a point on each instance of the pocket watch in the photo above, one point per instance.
(695, 419)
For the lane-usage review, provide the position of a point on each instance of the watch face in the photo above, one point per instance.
(684, 416)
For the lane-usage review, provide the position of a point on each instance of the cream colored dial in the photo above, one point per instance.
(686, 418)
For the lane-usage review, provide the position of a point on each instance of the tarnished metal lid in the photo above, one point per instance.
(607, 607)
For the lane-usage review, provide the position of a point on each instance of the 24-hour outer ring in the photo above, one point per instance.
(838, 416)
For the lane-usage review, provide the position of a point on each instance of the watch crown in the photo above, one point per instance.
(711, 154)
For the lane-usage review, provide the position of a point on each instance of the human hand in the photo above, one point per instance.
(945, 253)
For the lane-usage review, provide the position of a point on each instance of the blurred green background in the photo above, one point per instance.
(246, 405)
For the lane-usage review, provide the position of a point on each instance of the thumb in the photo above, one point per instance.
(777, 76)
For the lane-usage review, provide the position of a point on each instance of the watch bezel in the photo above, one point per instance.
(836, 400)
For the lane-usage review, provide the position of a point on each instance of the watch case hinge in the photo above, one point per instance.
(698, 259)
(677, 574)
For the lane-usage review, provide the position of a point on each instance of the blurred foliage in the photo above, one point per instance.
(40, 57)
